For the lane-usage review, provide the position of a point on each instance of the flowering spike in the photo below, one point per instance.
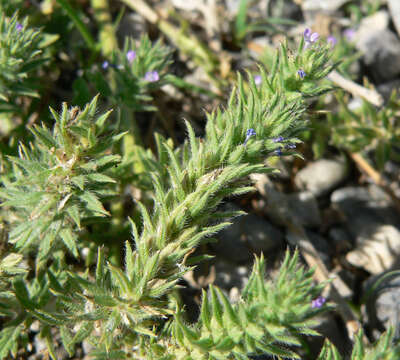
(18, 27)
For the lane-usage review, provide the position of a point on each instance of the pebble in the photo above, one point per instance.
(131, 25)
(341, 239)
(228, 275)
(394, 8)
(321, 176)
(327, 6)
(373, 224)
(382, 54)
(247, 235)
(382, 307)
(305, 207)
(380, 46)
(322, 246)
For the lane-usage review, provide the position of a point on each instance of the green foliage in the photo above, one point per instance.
(384, 349)
(8, 7)
(20, 57)
(367, 128)
(58, 180)
(283, 69)
(269, 317)
(129, 85)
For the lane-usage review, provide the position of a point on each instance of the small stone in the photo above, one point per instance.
(40, 344)
(229, 275)
(382, 54)
(305, 207)
(248, 234)
(380, 46)
(132, 25)
(186, 5)
(321, 176)
(341, 239)
(321, 244)
(355, 104)
(322, 5)
(394, 8)
(371, 222)
(378, 251)
(382, 306)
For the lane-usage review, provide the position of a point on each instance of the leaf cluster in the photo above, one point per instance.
(128, 85)
(367, 128)
(20, 57)
(58, 181)
(386, 348)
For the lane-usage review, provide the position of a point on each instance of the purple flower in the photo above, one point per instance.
(290, 146)
(257, 79)
(278, 139)
(309, 38)
(130, 56)
(152, 76)
(278, 152)
(249, 134)
(349, 34)
(18, 27)
(318, 302)
(301, 73)
(331, 40)
(105, 65)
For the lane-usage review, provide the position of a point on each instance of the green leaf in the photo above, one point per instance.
(240, 22)
(69, 240)
(8, 339)
(93, 203)
(100, 178)
(22, 294)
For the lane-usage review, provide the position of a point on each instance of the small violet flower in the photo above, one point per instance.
(349, 34)
(249, 134)
(278, 139)
(318, 302)
(18, 27)
(130, 56)
(309, 38)
(290, 146)
(257, 79)
(332, 41)
(105, 65)
(278, 152)
(152, 76)
(301, 73)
